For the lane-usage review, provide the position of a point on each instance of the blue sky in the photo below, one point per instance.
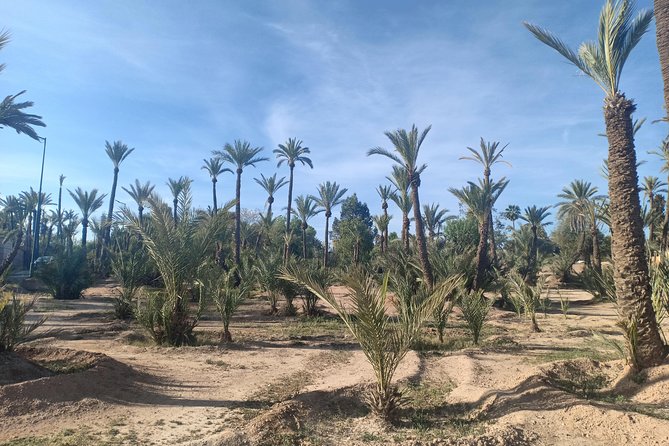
(178, 79)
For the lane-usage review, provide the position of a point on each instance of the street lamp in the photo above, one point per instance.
(36, 232)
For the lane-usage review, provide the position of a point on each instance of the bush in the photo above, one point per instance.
(600, 285)
(526, 298)
(228, 290)
(384, 341)
(475, 308)
(168, 320)
(129, 267)
(266, 276)
(66, 276)
(13, 330)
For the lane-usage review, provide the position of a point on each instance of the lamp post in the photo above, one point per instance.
(36, 232)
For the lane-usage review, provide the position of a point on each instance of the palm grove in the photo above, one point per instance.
(174, 261)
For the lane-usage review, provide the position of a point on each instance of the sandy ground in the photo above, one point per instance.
(300, 381)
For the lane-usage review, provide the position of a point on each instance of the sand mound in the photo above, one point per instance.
(29, 363)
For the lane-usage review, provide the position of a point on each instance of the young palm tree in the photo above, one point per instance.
(512, 213)
(400, 197)
(176, 188)
(652, 187)
(535, 217)
(329, 196)
(140, 193)
(434, 219)
(271, 185)
(662, 35)
(406, 147)
(385, 193)
(479, 198)
(88, 203)
(59, 227)
(603, 61)
(117, 153)
(305, 208)
(214, 167)
(489, 155)
(240, 154)
(291, 152)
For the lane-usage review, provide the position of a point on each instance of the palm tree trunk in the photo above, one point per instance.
(532, 260)
(596, 256)
(493, 247)
(651, 226)
(384, 248)
(662, 36)
(290, 201)
(405, 230)
(213, 191)
(59, 228)
(481, 253)
(627, 245)
(140, 211)
(326, 246)
(84, 233)
(420, 237)
(304, 240)
(176, 204)
(106, 233)
(28, 244)
(238, 218)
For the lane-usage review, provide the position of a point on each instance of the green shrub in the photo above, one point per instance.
(129, 268)
(13, 329)
(475, 308)
(66, 276)
(228, 289)
(527, 298)
(168, 320)
(266, 271)
(600, 285)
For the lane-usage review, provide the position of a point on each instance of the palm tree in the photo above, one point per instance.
(291, 152)
(385, 193)
(663, 153)
(479, 198)
(406, 147)
(176, 188)
(70, 228)
(88, 203)
(117, 153)
(59, 227)
(329, 196)
(512, 213)
(214, 167)
(271, 185)
(535, 217)
(140, 193)
(576, 208)
(603, 61)
(489, 155)
(652, 187)
(305, 208)
(662, 35)
(400, 197)
(434, 219)
(382, 222)
(240, 154)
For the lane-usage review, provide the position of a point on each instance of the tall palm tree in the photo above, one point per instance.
(385, 192)
(59, 227)
(652, 187)
(214, 167)
(240, 154)
(479, 198)
(406, 147)
(329, 196)
(305, 208)
(662, 36)
(400, 197)
(117, 153)
(88, 203)
(382, 222)
(489, 155)
(70, 228)
(140, 193)
(176, 188)
(271, 185)
(512, 213)
(434, 219)
(603, 61)
(535, 217)
(663, 153)
(291, 152)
